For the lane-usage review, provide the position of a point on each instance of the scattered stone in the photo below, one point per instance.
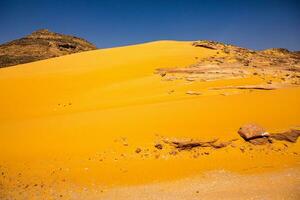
(220, 145)
(158, 146)
(162, 74)
(242, 149)
(138, 150)
(188, 145)
(193, 93)
(171, 91)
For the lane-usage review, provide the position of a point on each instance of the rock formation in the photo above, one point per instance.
(39, 45)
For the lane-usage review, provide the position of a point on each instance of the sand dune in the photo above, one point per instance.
(89, 122)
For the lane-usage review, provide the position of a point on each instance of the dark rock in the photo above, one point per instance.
(242, 149)
(138, 150)
(158, 146)
(162, 74)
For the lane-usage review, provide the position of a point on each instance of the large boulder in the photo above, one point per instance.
(252, 131)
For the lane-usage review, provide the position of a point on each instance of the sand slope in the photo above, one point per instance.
(75, 121)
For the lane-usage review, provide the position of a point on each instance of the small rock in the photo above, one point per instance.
(138, 150)
(193, 93)
(242, 149)
(159, 146)
(162, 74)
(171, 91)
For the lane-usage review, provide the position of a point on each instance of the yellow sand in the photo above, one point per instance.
(64, 121)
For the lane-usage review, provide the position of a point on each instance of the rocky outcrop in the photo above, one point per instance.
(257, 135)
(289, 136)
(190, 144)
(232, 62)
(39, 45)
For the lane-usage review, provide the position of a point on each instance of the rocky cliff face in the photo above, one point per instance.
(39, 45)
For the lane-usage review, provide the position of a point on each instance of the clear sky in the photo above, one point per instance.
(255, 24)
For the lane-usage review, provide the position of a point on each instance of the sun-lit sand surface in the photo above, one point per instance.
(70, 127)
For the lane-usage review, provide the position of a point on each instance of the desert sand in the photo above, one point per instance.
(94, 125)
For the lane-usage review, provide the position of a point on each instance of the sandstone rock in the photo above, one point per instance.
(289, 136)
(252, 131)
(189, 144)
(220, 144)
(260, 141)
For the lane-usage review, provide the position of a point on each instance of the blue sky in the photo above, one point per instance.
(108, 23)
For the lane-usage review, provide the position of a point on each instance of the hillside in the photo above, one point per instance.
(157, 120)
(40, 45)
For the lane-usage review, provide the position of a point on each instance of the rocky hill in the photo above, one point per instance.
(39, 45)
(229, 61)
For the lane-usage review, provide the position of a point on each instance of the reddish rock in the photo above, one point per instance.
(252, 131)
(289, 136)
(260, 141)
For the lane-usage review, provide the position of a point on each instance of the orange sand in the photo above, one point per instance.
(64, 121)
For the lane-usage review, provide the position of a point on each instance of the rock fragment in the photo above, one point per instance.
(158, 146)
(193, 93)
(252, 131)
(289, 136)
(138, 150)
(189, 144)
